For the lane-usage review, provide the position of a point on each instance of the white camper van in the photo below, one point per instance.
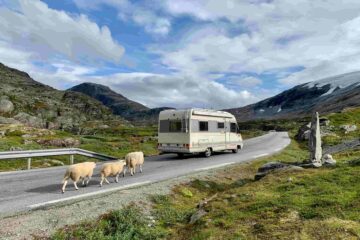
(198, 131)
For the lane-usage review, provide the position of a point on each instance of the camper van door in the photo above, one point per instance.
(227, 132)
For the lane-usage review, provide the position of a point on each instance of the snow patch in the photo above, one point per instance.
(340, 81)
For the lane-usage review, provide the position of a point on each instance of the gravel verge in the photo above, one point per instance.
(44, 222)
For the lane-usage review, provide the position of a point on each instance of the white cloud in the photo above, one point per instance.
(151, 22)
(165, 90)
(244, 81)
(48, 34)
(141, 15)
(320, 36)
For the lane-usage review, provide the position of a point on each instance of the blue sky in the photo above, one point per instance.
(183, 53)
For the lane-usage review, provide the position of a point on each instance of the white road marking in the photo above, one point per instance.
(215, 166)
(261, 155)
(88, 194)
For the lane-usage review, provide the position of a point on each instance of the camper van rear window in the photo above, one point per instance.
(221, 125)
(175, 126)
(203, 126)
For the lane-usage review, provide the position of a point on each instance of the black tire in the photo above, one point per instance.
(208, 152)
(235, 150)
(180, 155)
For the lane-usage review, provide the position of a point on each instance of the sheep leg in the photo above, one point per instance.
(106, 180)
(83, 181)
(132, 171)
(102, 180)
(64, 186)
(75, 185)
(141, 168)
(88, 180)
(124, 172)
(117, 178)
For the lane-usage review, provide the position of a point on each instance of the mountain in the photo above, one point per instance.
(327, 95)
(120, 105)
(117, 102)
(24, 100)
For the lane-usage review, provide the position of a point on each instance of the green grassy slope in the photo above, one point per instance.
(309, 204)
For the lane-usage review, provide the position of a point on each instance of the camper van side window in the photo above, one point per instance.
(175, 126)
(203, 126)
(233, 128)
(221, 125)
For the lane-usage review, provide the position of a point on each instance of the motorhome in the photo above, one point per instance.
(198, 131)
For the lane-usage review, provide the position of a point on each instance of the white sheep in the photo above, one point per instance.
(79, 171)
(132, 160)
(111, 169)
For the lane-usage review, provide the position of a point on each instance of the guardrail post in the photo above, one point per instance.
(71, 159)
(29, 163)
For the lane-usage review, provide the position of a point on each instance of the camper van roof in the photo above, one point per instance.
(200, 111)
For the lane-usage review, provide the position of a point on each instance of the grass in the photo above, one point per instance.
(126, 224)
(348, 117)
(114, 141)
(273, 208)
(310, 204)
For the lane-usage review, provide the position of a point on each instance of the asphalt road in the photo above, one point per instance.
(26, 190)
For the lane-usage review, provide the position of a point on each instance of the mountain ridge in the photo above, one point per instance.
(24, 100)
(326, 95)
(120, 105)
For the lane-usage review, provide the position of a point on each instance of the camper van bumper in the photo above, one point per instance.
(165, 149)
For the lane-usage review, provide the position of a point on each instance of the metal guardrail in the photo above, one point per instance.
(53, 152)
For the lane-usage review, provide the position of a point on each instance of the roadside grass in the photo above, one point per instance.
(115, 141)
(309, 204)
(127, 224)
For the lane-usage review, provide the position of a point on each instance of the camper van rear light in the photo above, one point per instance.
(187, 146)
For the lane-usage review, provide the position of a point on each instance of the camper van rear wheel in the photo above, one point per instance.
(235, 150)
(208, 152)
(180, 155)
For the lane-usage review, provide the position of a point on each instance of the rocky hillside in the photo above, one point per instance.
(325, 96)
(120, 105)
(24, 100)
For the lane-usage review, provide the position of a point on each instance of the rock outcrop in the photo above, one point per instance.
(349, 128)
(66, 142)
(274, 167)
(24, 100)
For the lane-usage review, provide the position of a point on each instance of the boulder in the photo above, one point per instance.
(324, 121)
(104, 126)
(28, 142)
(328, 160)
(15, 148)
(273, 167)
(29, 120)
(6, 106)
(197, 216)
(304, 132)
(348, 128)
(2, 133)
